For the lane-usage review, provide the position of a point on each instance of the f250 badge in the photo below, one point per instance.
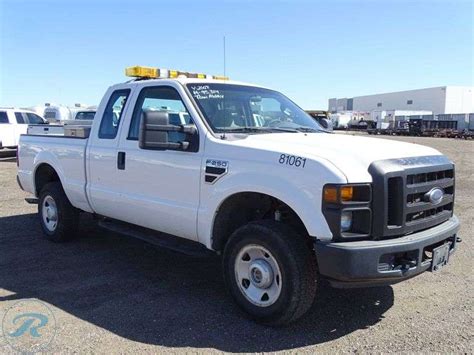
(215, 169)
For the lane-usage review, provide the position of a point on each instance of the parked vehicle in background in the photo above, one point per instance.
(56, 113)
(340, 120)
(87, 115)
(442, 125)
(61, 114)
(82, 117)
(322, 117)
(13, 123)
(241, 170)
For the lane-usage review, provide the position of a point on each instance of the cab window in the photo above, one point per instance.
(19, 117)
(160, 98)
(3, 117)
(113, 113)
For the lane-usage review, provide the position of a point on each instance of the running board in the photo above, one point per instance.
(163, 240)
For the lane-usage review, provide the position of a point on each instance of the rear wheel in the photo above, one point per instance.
(270, 271)
(58, 218)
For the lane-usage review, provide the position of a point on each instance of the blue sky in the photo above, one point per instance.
(71, 51)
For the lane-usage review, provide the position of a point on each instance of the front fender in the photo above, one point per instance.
(303, 196)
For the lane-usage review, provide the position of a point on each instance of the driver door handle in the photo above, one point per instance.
(121, 161)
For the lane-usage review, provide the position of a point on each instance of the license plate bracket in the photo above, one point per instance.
(440, 257)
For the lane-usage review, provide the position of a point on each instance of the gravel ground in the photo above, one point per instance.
(112, 294)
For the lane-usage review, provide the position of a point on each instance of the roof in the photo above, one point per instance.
(185, 81)
(16, 109)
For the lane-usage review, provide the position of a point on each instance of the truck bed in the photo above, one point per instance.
(66, 154)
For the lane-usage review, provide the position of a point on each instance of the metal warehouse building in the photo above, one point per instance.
(439, 100)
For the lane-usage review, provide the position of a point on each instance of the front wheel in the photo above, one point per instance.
(270, 271)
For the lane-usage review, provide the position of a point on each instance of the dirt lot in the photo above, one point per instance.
(113, 294)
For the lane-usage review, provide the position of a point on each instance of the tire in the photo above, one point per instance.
(294, 277)
(66, 216)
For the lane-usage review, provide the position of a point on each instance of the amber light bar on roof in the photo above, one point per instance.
(157, 73)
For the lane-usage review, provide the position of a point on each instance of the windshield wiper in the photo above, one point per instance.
(258, 130)
(307, 129)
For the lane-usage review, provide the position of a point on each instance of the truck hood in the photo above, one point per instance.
(352, 155)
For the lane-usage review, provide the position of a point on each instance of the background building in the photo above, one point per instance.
(438, 100)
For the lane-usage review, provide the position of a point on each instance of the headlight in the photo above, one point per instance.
(346, 221)
(347, 209)
(346, 193)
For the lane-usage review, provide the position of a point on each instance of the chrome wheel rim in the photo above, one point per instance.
(49, 213)
(258, 275)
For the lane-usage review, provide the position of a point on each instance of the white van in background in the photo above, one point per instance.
(13, 123)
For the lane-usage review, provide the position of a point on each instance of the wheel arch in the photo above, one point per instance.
(44, 174)
(248, 206)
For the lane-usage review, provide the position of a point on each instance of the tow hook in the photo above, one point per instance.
(407, 264)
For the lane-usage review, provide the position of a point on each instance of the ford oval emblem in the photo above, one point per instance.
(435, 195)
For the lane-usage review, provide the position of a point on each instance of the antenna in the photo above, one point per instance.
(224, 56)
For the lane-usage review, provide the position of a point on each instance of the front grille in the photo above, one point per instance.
(401, 202)
(420, 210)
(430, 177)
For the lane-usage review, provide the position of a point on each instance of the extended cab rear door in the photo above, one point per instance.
(102, 187)
(159, 188)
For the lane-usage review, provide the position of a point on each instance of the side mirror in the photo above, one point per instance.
(154, 129)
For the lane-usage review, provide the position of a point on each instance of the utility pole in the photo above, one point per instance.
(224, 58)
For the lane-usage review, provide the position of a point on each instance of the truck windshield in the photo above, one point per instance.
(239, 108)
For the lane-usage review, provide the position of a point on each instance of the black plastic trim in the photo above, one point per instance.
(19, 183)
(356, 264)
(213, 170)
(210, 178)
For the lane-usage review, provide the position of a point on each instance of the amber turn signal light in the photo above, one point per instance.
(330, 194)
(347, 193)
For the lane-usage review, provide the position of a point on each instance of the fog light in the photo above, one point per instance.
(346, 221)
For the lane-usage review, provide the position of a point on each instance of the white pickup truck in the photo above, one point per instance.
(215, 165)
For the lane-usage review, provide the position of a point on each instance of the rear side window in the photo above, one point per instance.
(3, 117)
(113, 113)
(19, 117)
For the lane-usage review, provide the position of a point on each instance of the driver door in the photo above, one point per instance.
(160, 188)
